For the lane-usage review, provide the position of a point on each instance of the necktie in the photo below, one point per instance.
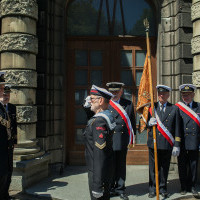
(188, 105)
(161, 111)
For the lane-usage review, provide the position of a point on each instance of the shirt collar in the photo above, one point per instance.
(164, 105)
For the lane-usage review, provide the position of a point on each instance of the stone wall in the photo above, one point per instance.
(175, 59)
(50, 68)
(195, 16)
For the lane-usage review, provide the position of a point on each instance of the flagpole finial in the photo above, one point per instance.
(146, 24)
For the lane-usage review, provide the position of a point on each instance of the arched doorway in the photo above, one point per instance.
(105, 42)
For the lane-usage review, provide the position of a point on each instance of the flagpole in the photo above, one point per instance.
(146, 24)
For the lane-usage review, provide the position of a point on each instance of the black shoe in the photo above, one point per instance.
(194, 192)
(183, 192)
(164, 194)
(152, 194)
(123, 196)
(113, 193)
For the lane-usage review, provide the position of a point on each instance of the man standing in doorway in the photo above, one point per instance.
(188, 159)
(121, 138)
(167, 121)
(11, 111)
(4, 137)
(98, 141)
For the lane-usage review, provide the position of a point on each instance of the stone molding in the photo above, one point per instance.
(25, 78)
(195, 11)
(195, 42)
(26, 114)
(196, 78)
(18, 42)
(19, 7)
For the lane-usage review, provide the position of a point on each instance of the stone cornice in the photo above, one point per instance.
(27, 8)
(18, 42)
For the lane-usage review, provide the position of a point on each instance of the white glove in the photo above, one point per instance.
(152, 121)
(97, 194)
(176, 151)
(87, 103)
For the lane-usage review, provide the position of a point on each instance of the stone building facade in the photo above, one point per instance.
(33, 53)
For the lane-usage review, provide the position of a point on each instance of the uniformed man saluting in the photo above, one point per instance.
(5, 135)
(11, 111)
(168, 132)
(188, 159)
(98, 142)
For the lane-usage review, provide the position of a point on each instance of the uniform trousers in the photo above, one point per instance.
(164, 157)
(3, 180)
(187, 167)
(119, 178)
(106, 194)
(10, 170)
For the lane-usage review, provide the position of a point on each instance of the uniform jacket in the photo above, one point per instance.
(98, 151)
(191, 131)
(3, 144)
(172, 121)
(11, 109)
(121, 135)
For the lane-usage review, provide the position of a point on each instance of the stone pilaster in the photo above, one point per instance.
(195, 16)
(18, 48)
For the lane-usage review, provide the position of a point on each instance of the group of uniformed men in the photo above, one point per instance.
(8, 133)
(111, 123)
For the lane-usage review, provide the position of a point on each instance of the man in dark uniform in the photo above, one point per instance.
(4, 136)
(188, 158)
(11, 110)
(120, 138)
(98, 142)
(167, 121)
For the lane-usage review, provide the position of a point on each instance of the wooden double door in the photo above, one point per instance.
(98, 61)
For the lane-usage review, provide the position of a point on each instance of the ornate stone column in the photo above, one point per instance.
(195, 16)
(18, 48)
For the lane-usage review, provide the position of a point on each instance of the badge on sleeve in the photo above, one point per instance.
(101, 136)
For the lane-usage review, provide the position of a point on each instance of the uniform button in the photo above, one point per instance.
(166, 120)
(158, 133)
(12, 146)
(193, 128)
(186, 134)
(114, 132)
(122, 132)
(193, 134)
(186, 128)
(122, 124)
(8, 147)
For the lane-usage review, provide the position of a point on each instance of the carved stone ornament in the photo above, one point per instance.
(25, 78)
(26, 114)
(195, 11)
(18, 42)
(19, 7)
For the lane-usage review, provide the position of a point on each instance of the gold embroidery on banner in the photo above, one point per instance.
(100, 146)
